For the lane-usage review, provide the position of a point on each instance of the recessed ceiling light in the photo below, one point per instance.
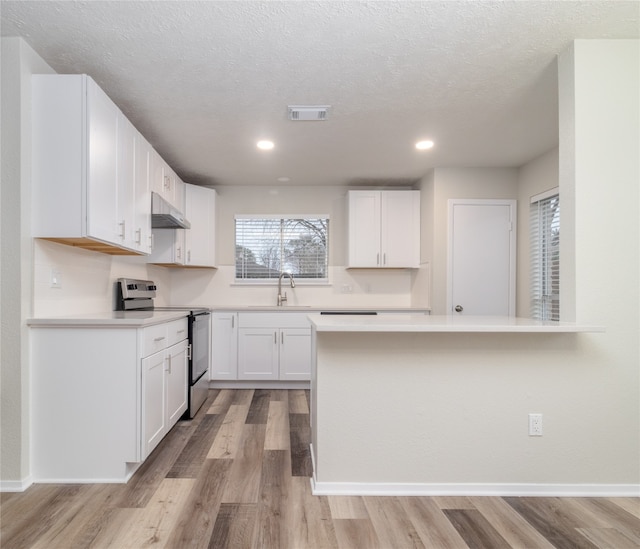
(423, 145)
(284, 179)
(265, 145)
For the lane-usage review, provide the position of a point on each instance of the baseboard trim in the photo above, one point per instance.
(472, 489)
(15, 485)
(259, 384)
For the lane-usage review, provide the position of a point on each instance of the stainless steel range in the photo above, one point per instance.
(137, 295)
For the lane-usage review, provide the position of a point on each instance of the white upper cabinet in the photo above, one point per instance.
(384, 229)
(165, 182)
(194, 247)
(142, 235)
(90, 187)
(200, 242)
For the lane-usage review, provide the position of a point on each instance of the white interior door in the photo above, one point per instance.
(481, 257)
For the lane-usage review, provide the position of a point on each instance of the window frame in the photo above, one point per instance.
(274, 280)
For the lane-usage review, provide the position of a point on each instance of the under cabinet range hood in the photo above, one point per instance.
(165, 216)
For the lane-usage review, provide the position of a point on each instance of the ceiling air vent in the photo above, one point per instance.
(308, 112)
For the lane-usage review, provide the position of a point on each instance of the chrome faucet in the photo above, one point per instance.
(283, 298)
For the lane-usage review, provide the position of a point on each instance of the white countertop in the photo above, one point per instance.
(315, 309)
(452, 324)
(114, 319)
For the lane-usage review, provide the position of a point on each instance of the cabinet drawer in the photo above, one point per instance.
(154, 339)
(273, 320)
(177, 330)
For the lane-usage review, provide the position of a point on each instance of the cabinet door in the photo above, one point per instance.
(200, 239)
(257, 353)
(125, 187)
(295, 354)
(400, 224)
(102, 165)
(364, 229)
(156, 172)
(177, 382)
(168, 247)
(142, 195)
(224, 346)
(154, 421)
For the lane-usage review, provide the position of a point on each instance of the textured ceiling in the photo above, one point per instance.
(203, 81)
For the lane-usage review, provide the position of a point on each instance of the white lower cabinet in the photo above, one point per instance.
(261, 346)
(164, 380)
(224, 345)
(164, 398)
(103, 397)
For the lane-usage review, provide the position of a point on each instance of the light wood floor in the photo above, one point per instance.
(237, 476)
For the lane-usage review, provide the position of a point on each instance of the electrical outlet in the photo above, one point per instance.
(347, 289)
(535, 425)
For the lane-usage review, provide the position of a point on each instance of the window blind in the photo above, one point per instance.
(267, 246)
(545, 256)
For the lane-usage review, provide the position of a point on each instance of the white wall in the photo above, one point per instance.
(18, 62)
(539, 175)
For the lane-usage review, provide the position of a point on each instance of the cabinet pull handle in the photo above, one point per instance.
(384, 258)
(282, 338)
(139, 236)
(179, 252)
(151, 242)
(378, 259)
(169, 363)
(189, 351)
(188, 256)
(181, 331)
(233, 322)
(167, 182)
(159, 338)
(122, 231)
(275, 338)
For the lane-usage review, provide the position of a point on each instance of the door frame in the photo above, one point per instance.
(513, 212)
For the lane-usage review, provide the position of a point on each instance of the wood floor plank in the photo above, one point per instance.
(242, 397)
(145, 482)
(605, 514)
(195, 524)
(83, 509)
(20, 532)
(152, 525)
(309, 522)
(347, 507)
(244, 478)
(550, 517)
(298, 403)
(392, 525)
(191, 459)
(300, 435)
(225, 444)
(234, 527)
(631, 505)
(221, 403)
(431, 524)
(259, 408)
(509, 524)
(475, 529)
(608, 538)
(271, 526)
(356, 534)
(277, 437)
(454, 502)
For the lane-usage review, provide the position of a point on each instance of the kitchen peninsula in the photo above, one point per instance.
(415, 404)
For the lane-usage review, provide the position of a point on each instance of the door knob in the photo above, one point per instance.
(458, 308)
